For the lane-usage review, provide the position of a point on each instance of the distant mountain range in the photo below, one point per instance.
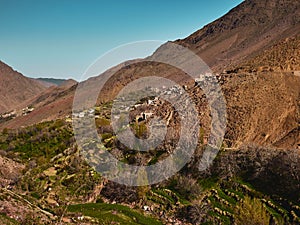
(51, 81)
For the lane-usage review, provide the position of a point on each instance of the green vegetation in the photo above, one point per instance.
(237, 202)
(56, 175)
(42, 141)
(102, 122)
(113, 213)
(208, 183)
(252, 212)
(140, 129)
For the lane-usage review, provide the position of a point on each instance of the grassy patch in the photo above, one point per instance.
(165, 195)
(112, 213)
(226, 197)
(208, 183)
(44, 140)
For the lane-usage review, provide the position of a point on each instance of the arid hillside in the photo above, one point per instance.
(283, 56)
(16, 88)
(254, 178)
(245, 31)
(53, 103)
(254, 49)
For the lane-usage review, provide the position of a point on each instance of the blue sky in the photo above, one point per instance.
(61, 38)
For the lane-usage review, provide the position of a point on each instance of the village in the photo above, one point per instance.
(142, 110)
(16, 113)
(123, 105)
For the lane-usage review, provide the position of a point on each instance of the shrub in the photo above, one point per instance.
(251, 212)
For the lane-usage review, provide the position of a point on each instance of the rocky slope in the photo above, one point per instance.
(50, 81)
(55, 102)
(16, 88)
(245, 31)
(282, 56)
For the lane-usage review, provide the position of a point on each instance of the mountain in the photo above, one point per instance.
(245, 31)
(260, 42)
(47, 100)
(51, 81)
(283, 56)
(53, 103)
(254, 50)
(16, 88)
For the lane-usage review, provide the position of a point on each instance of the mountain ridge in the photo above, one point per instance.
(245, 30)
(15, 88)
(229, 36)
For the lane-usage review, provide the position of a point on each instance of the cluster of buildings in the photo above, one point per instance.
(13, 114)
(85, 113)
(9, 115)
(27, 110)
(128, 103)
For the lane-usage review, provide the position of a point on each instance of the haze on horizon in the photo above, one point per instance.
(61, 39)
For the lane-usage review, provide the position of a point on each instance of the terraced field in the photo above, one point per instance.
(59, 185)
(112, 213)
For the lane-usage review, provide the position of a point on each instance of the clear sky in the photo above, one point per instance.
(61, 38)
